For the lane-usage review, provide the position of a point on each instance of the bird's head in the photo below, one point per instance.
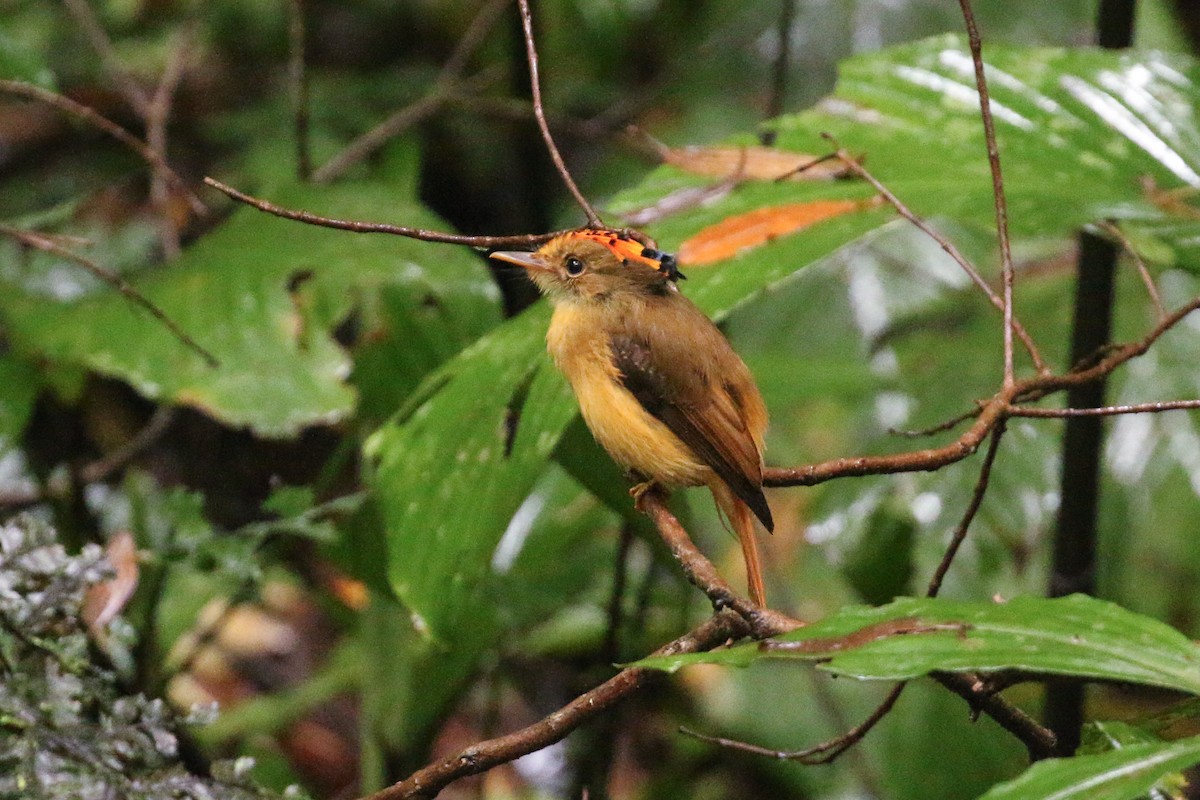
(591, 264)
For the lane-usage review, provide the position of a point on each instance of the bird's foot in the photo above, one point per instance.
(639, 490)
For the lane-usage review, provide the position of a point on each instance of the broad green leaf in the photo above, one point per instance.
(1078, 131)
(265, 296)
(1122, 774)
(456, 462)
(1076, 635)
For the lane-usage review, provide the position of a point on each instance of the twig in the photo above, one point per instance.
(482, 756)
(964, 524)
(824, 753)
(855, 166)
(156, 113)
(1104, 411)
(396, 123)
(779, 69)
(524, 240)
(91, 117)
(1111, 228)
(100, 41)
(468, 44)
(105, 466)
(953, 422)
(993, 151)
(45, 244)
(1039, 741)
(990, 413)
(298, 87)
(540, 113)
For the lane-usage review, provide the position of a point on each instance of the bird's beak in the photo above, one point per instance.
(521, 258)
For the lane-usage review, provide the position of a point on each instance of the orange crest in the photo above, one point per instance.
(628, 249)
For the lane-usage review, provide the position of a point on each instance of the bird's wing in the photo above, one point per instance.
(705, 410)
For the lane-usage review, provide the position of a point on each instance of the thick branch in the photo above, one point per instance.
(482, 756)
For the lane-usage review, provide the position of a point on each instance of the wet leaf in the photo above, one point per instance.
(1075, 635)
(266, 296)
(1123, 774)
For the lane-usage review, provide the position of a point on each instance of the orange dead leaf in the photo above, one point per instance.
(104, 601)
(1175, 202)
(734, 234)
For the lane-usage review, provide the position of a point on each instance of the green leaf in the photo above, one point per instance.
(1076, 635)
(1123, 774)
(265, 295)
(452, 469)
(1076, 138)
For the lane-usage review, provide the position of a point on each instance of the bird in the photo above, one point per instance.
(657, 383)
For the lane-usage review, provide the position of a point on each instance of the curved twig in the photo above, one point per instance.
(96, 120)
(540, 113)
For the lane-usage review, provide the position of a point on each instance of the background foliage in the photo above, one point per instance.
(377, 531)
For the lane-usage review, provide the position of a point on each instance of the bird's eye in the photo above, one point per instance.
(574, 266)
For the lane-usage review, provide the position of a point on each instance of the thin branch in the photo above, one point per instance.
(425, 235)
(469, 43)
(156, 113)
(91, 117)
(824, 753)
(855, 166)
(941, 427)
(85, 17)
(1111, 228)
(990, 413)
(298, 87)
(40, 242)
(779, 69)
(1039, 741)
(540, 113)
(964, 524)
(150, 433)
(993, 151)
(480, 757)
(1104, 411)
(395, 124)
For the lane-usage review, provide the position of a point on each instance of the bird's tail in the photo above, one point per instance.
(742, 520)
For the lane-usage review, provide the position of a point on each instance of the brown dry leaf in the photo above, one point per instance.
(104, 601)
(734, 234)
(752, 163)
(1175, 202)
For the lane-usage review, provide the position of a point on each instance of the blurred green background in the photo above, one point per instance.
(376, 532)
